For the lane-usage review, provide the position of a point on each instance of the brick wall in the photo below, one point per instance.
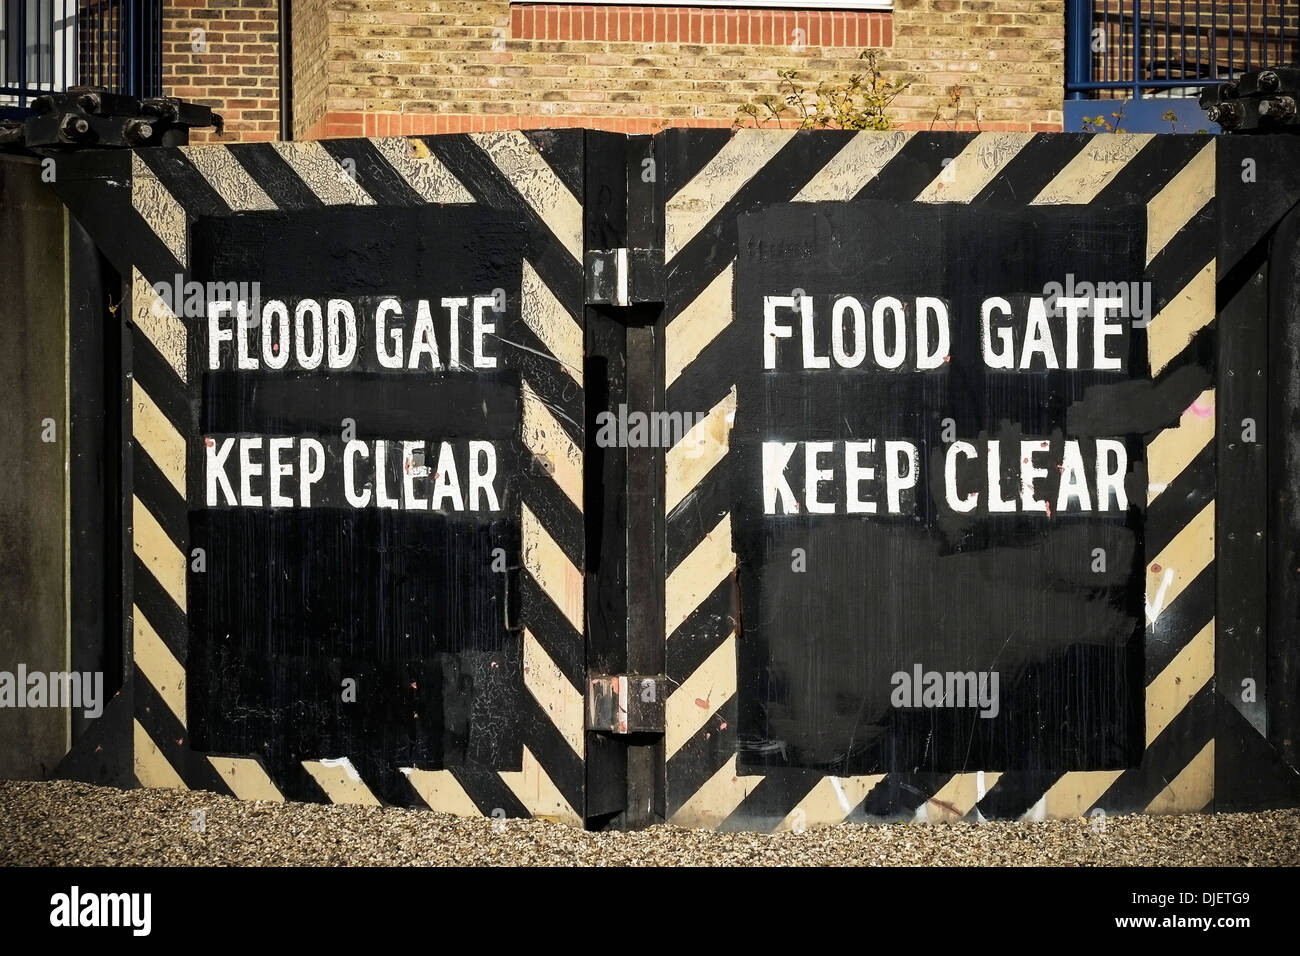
(225, 54)
(397, 66)
(387, 67)
(1007, 57)
(310, 77)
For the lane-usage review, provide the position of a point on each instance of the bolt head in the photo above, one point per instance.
(1228, 115)
(1278, 108)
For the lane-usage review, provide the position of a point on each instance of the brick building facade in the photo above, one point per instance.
(225, 54)
(382, 67)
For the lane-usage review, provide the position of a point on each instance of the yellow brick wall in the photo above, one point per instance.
(1008, 56)
(410, 59)
(310, 76)
(380, 67)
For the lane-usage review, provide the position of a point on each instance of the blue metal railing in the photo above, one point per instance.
(1138, 47)
(51, 45)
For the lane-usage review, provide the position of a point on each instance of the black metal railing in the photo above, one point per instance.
(51, 45)
(1146, 47)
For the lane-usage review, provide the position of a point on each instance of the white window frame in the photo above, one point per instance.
(59, 47)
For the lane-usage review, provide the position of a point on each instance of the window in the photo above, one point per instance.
(38, 50)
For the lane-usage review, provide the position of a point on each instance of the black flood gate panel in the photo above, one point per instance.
(356, 462)
(928, 476)
(350, 500)
(941, 544)
(937, 554)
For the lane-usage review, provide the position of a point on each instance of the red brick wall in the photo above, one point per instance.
(766, 27)
(225, 54)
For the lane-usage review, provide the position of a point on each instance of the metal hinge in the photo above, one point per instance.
(623, 277)
(626, 703)
(625, 266)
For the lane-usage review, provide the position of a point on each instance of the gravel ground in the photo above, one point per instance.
(76, 824)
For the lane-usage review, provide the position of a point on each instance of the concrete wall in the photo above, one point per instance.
(33, 383)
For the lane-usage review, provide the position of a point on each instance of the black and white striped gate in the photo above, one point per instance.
(309, 587)
(691, 276)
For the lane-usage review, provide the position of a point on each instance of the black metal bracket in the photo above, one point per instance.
(1262, 101)
(624, 277)
(626, 703)
(626, 267)
(93, 118)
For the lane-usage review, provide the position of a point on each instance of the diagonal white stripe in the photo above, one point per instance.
(974, 167)
(322, 174)
(552, 690)
(696, 203)
(691, 331)
(849, 170)
(423, 171)
(531, 176)
(159, 208)
(552, 323)
(228, 178)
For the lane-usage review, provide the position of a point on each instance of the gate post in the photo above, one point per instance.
(1283, 659)
(624, 482)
